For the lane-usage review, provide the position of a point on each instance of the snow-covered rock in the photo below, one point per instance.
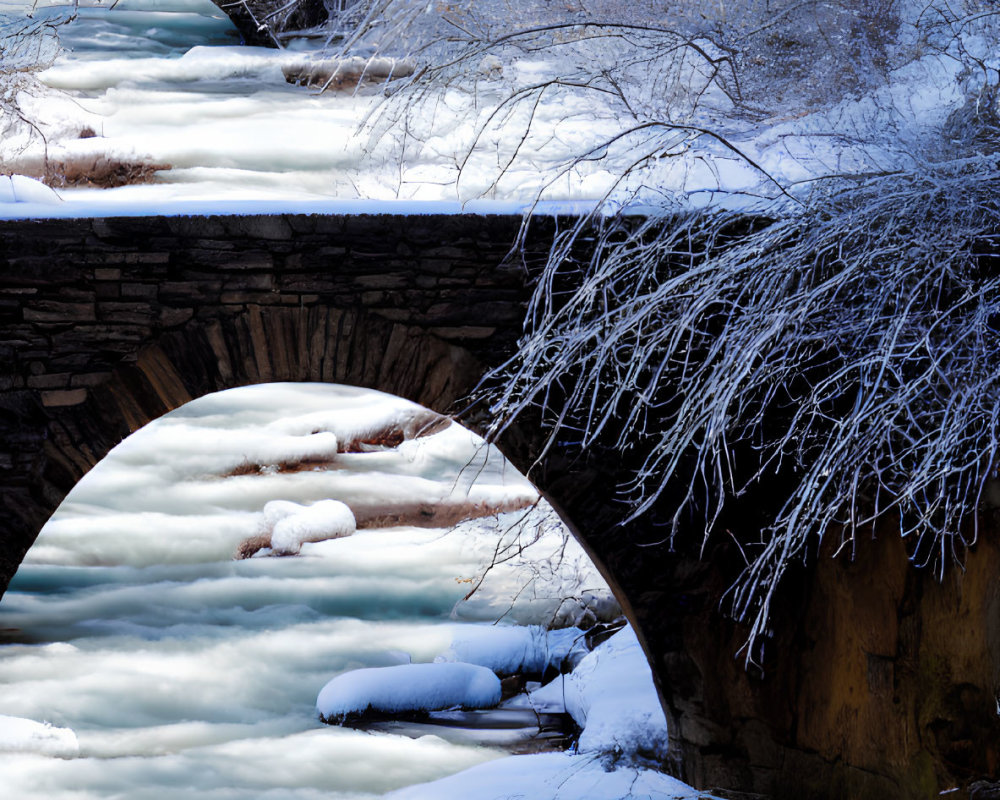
(512, 649)
(408, 687)
(292, 524)
(611, 696)
(19, 735)
(549, 699)
(28, 190)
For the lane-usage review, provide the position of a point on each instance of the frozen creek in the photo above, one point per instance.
(164, 88)
(165, 665)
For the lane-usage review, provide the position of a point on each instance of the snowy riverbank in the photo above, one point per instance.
(153, 104)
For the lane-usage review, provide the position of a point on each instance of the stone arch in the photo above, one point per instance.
(107, 323)
(260, 344)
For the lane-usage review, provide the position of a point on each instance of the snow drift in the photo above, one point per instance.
(551, 776)
(611, 696)
(509, 649)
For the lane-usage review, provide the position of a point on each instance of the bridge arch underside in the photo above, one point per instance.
(881, 681)
(61, 434)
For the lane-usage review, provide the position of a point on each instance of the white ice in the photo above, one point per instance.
(173, 90)
(131, 625)
(611, 696)
(21, 189)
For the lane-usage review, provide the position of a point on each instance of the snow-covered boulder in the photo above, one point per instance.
(514, 649)
(28, 190)
(407, 688)
(19, 735)
(292, 524)
(611, 696)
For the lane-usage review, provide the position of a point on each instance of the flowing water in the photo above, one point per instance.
(164, 83)
(160, 95)
(184, 672)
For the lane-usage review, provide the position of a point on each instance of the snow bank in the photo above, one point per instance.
(292, 524)
(27, 736)
(548, 699)
(551, 776)
(510, 649)
(22, 189)
(611, 696)
(408, 687)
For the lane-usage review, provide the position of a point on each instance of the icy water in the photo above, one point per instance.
(184, 672)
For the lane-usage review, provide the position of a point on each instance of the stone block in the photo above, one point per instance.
(107, 290)
(214, 244)
(188, 289)
(261, 281)
(385, 280)
(147, 258)
(394, 314)
(258, 227)
(64, 397)
(255, 259)
(135, 313)
(306, 283)
(57, 381)
(197, 227)
(146, 290)
(55, 311)
(464, 332)
(241, 298)
(101, 257)
(89, 379)
(172, 317)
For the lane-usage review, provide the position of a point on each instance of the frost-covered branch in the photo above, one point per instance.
(28, 44)
(847, 347)
(834, 340)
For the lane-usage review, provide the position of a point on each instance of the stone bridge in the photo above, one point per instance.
(109, 323)
(881, 683)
